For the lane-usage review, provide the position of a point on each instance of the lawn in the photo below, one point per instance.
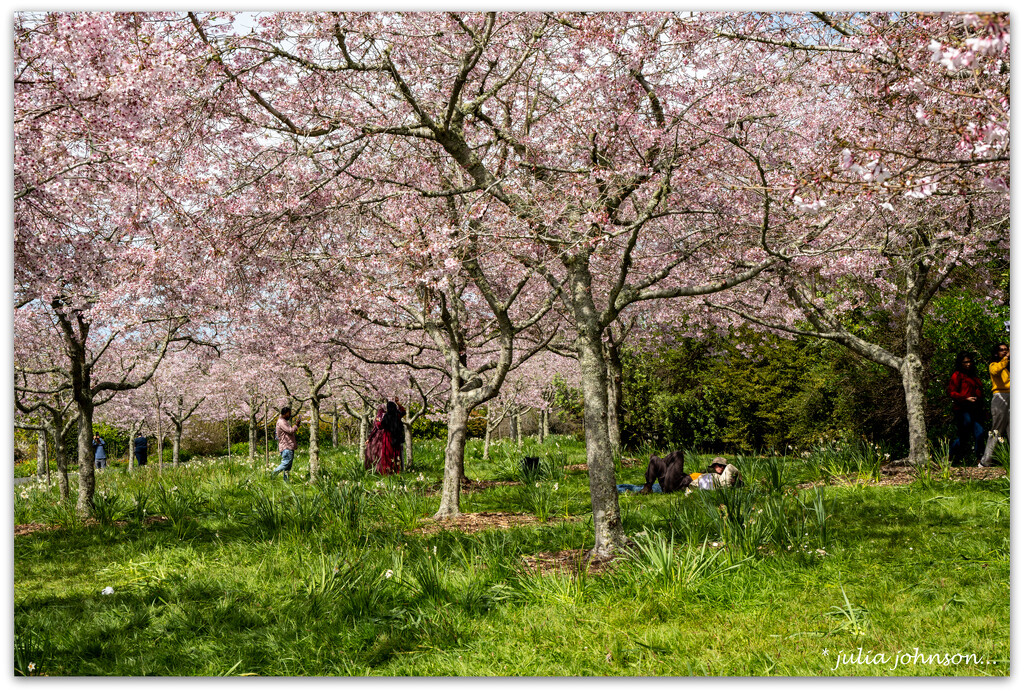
(812, 568)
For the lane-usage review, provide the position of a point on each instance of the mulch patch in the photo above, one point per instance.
(624, 462)
(33, 527)
(471, 485)
(568, 561)
(478, 522)
(30, 528)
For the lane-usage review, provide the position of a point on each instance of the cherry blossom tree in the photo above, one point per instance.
(573, 143)
(102, 238)
(42, 399)
(912, 184)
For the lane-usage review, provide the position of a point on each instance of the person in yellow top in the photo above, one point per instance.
(999, 370)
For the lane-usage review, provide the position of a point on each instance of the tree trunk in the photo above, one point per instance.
(487, 439)
(253, 440)
(135, 433)
(912, 372)
(159, 438)
(334, 427)
(609, 537)
(228, 424)
(179, 426)
(86, 462)
(454, 461)
(266, 435)
(61, 460)
(314, 440)
(547, 422)
(42, 458)
(614, 397)
(363, 429)
(407, 447)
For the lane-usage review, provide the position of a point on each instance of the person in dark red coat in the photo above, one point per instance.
(384, 446)
(964, 389)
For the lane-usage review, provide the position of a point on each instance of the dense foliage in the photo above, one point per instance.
(753, 391)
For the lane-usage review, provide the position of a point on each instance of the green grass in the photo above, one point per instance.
(252, 576)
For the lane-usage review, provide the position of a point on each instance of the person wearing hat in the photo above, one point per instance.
(719, 473)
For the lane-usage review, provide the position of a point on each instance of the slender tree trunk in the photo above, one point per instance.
(228, 422)
(614, 397)
(314, 440)
(135, 433)
(547, 422)
(334, 427)
(60, 459)
(179, 426)
(42, 457)
(487, 438)
(159, 438)
(454, 461)
(253, 440)
(266, 435)
(515, 430)
(363, 429)
(407, 446)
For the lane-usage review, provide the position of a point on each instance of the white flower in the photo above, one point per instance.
(556, 485)
(537, 484)
(388, 573)
(107, 590)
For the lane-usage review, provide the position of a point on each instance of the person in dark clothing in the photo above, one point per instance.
(384, 446)
(668, 472)
(141, 450)
(965, 390)
(99, 451)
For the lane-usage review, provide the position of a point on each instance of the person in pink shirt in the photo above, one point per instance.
(286, 443)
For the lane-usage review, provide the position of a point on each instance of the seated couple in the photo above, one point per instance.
(666, 475)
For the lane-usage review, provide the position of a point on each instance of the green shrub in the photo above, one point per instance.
(426, 429)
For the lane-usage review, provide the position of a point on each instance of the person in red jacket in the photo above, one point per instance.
(965, 391)
(384, 446)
